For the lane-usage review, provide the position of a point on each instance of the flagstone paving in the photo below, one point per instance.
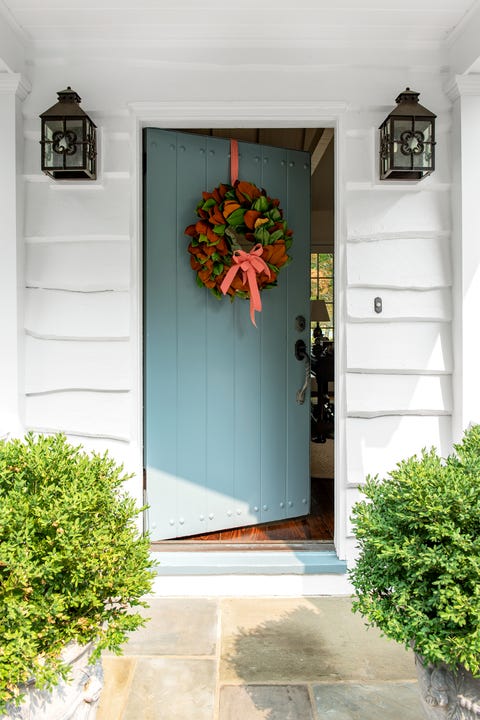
(258, 659)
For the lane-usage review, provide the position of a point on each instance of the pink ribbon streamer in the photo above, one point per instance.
(251, 264)
(233, 162)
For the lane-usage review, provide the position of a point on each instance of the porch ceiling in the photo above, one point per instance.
(50, 27)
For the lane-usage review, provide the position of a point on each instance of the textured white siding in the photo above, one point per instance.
(399, 262)
(56, 365)
(373, 395)
(421, 347)
(78, 294)
(85, 412)
(399, 363)
(78, 314)
(399, 305)
(53, 208)
(79, 263)
(375, 445)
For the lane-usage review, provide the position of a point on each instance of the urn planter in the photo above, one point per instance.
(75, 699)
(447, 694)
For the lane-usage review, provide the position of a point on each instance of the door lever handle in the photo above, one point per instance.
(300, 350)
(302, 354)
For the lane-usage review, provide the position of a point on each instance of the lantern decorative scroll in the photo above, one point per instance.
(407, 140)
(69, 149)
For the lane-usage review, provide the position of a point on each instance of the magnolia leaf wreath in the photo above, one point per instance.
(240, 242)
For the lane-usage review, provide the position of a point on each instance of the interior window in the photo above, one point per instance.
(321, 288)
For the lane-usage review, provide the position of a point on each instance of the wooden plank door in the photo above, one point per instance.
(226, 444)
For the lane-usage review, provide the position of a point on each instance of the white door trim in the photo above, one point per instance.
(188, 115)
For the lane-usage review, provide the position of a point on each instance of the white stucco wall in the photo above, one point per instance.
(82, 245)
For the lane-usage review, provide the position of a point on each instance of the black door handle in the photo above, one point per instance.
(300, 350)
(302, 354)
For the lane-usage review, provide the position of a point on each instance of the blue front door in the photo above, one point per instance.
(226, 444)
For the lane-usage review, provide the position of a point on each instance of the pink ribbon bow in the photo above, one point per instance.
(251, 265)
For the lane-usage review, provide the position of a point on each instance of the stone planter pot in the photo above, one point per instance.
(73, 700)
(446, 695)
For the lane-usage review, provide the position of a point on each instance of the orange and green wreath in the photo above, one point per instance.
(240, 242)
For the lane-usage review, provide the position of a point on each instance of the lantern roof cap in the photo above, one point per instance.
(67, 105)
(68, 95)
(408, 105)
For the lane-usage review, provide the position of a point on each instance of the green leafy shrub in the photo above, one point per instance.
(418, 573)
(72, 563)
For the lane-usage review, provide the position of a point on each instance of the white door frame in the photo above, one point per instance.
(189, 115)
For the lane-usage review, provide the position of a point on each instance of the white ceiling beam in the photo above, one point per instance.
(320, 148)
(13, 43)
(464, 42)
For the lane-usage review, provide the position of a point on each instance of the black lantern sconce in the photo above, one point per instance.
(407, 140)
(69, 147)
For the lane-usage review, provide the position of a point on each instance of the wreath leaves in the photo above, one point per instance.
(234, 217)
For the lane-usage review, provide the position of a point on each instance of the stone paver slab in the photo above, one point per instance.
(172, 689)
(387, 701)
(118, 673)
(177, 626)
(258, 702)
(295, 640)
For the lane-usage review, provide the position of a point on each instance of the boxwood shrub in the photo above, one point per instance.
(417, 577)
(73, 566)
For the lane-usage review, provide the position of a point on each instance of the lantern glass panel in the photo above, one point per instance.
(429, 157)
(90, 148)
(402, 158)
(74, 147)
(419, 161)
(386, 149)
(425, 158)
(399, 127)
(425, 127)
(90, 163)
(52, 159)
(384, 165)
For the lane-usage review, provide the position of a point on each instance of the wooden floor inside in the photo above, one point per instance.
(318, 526)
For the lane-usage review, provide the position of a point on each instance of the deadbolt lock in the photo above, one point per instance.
(300, 323)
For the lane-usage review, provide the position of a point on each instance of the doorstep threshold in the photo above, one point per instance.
(247, 562)
(241, 546)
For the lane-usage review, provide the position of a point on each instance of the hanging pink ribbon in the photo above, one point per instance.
(233, 162)
(251, 265)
